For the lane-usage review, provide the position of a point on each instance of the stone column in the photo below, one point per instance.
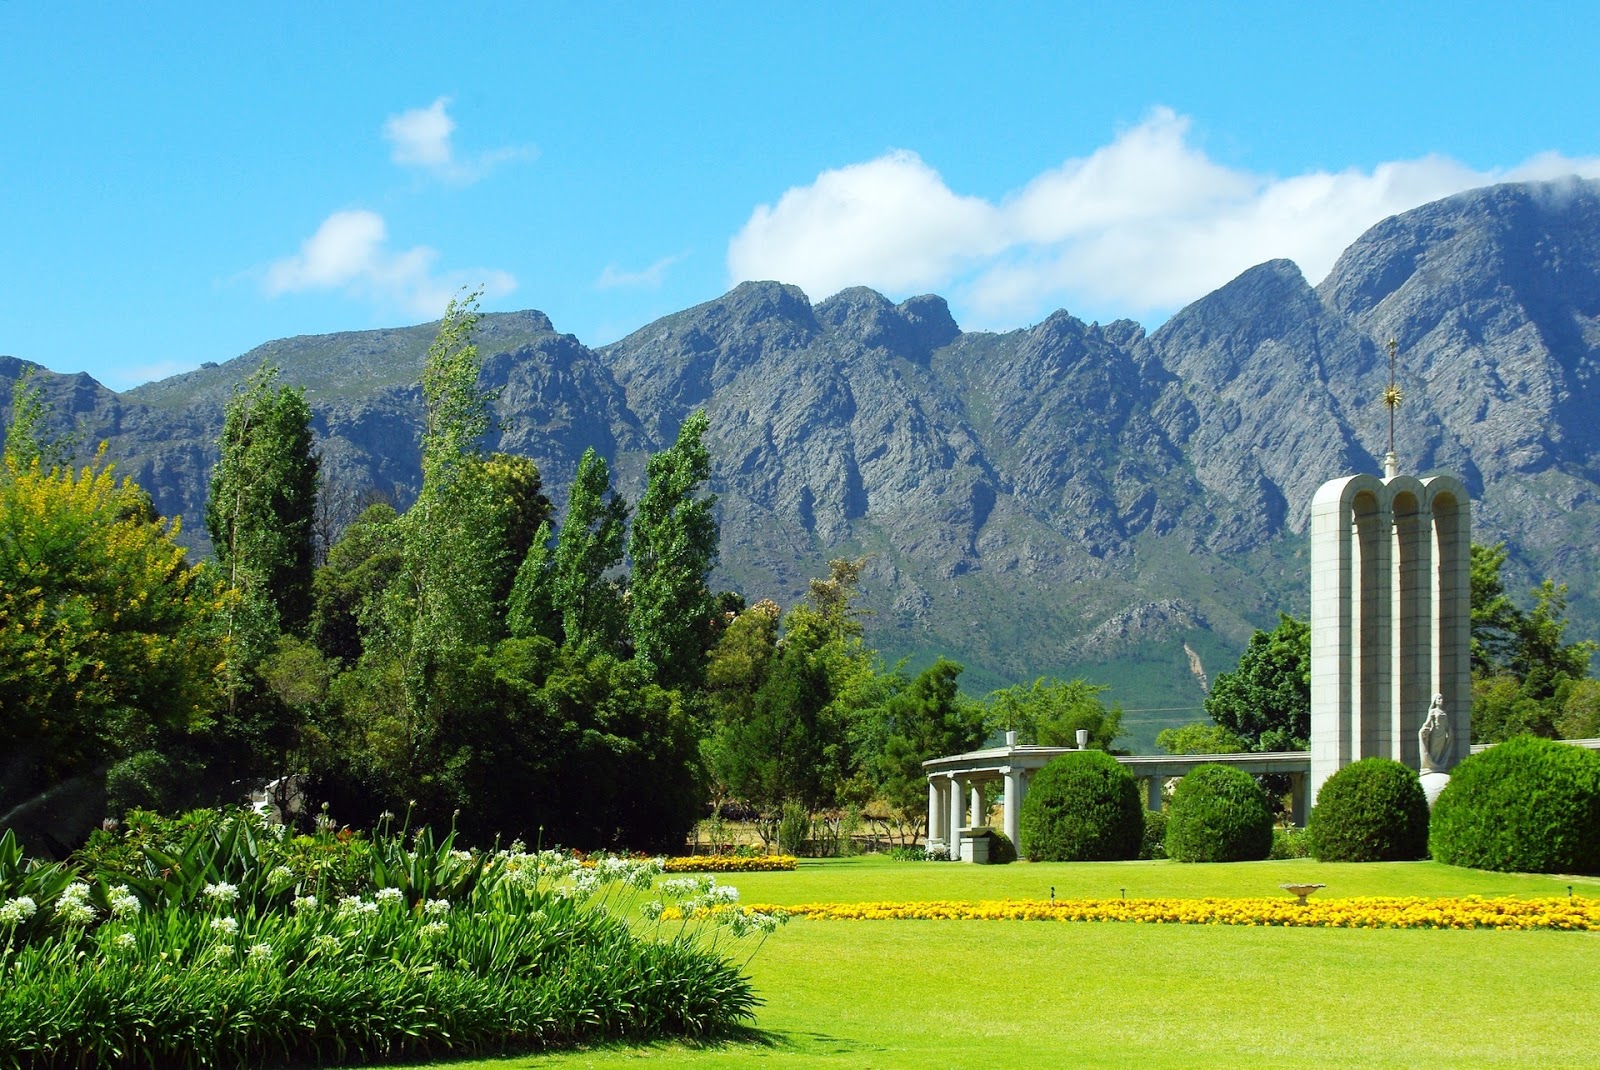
(1152, 793)
(1374, 699)
(1013, 806)
(1333, 633)
(933, 812)
(979, 817)
(1452, 527)
(1299, 798)
(957, 805)
(1413, 619)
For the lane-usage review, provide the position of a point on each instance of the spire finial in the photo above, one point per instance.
(1392, 398)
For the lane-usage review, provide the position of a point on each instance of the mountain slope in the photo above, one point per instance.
(1065, 498)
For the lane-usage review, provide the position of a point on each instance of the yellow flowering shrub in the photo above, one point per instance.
(1357, 912)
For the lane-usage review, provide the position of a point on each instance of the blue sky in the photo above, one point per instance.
(179, 183)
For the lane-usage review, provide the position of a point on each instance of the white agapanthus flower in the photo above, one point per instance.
(303, 903)
(18, 910)
(73, 907)
(352, 906)
(225, 926)
(124, 904)
(259, 952)
(125, 942)
(436, 907)
(221, 892)
(389, 895)
(281, 875)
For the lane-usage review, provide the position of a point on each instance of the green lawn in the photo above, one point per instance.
(1044, 994)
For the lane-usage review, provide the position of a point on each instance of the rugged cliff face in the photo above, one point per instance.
(1067, 498)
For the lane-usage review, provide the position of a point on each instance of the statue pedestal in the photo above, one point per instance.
(1433, 783)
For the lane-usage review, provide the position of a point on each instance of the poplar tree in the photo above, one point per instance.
(590, 546)
(672, 547)
(453, 553)
(263, 501)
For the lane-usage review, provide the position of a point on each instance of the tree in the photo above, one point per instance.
(1199, 738)
(1494, 617)
(926, 720)
(1049, 713)
(1266, 701)
(455, 551)
(263, 499)
(351, 589)
(28, 435)
(1523, 671)
(787, 711)
(531, 607)
(106, 633)
(672, 547)
(588, 547)
(520, 513)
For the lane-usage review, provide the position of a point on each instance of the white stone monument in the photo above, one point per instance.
(1391, 619)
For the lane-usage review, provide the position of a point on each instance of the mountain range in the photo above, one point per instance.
(1070, 498)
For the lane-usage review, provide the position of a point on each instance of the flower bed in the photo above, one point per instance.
(1361, 912)
(729, 864)
(223, 944)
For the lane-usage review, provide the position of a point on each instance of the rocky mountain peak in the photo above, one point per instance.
(912, 329)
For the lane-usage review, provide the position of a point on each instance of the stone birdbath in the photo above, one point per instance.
(1301, 890)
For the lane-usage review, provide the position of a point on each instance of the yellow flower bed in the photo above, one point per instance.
(1359, 912)
(728, 864)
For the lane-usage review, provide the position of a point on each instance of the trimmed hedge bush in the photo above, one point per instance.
(1525, 806)
(1219, 814)
(1082, 807)
(1373, 810)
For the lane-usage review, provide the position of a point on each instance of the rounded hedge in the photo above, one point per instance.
(1525, 806)
(1082, 807)
(1219, 814)
(1373, 810)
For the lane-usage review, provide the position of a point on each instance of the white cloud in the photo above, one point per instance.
(421, 138)
(613, 277)
(350, 252)
(1144, 224)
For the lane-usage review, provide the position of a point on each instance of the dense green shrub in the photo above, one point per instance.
(902, 853)
(1219, 814)
(1082, 807)
(794, 829)
(1155, 835)
(1290, 843)
(1372, 810)
(1001, 849)
(1526, 805)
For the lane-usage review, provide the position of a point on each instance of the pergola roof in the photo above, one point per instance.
(993, 762)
